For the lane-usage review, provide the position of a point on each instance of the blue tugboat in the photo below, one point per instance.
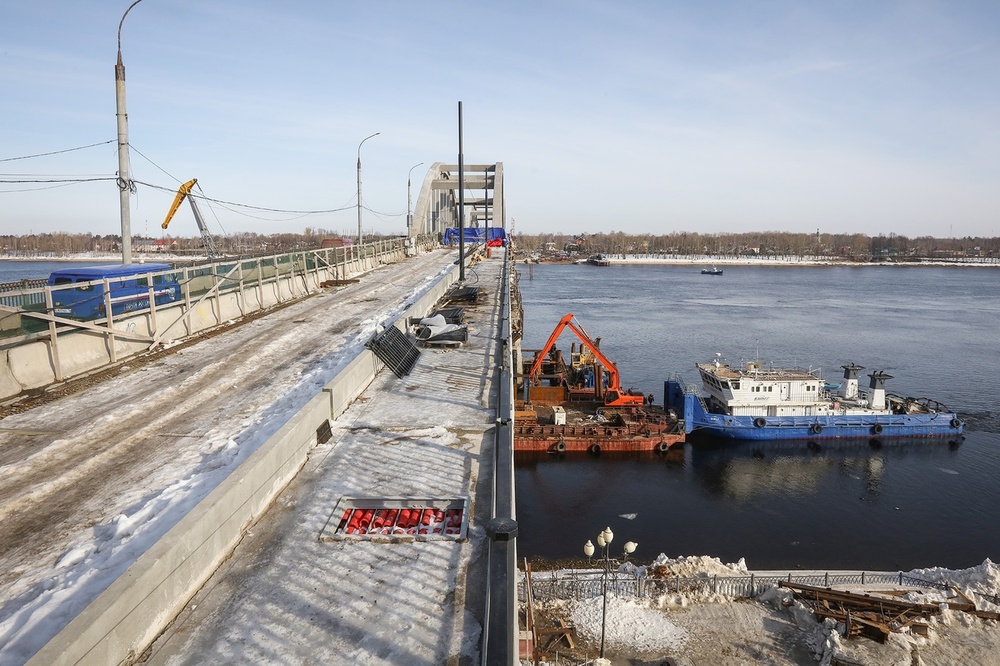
(758, 403)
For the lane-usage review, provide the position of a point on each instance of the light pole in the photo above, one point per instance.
(604, 541)
(124, 182)
(359, 185)
(409, 216)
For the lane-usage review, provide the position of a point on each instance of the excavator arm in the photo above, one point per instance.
(184, 190)
(613, 394)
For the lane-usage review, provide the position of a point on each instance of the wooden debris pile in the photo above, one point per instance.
(877, 616)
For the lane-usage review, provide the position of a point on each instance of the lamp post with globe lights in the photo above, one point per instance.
(604, 541)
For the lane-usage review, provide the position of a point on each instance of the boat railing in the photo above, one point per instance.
(686, 387)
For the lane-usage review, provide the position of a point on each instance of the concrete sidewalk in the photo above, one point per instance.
(293, 594)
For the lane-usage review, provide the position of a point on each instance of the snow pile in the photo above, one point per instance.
(630, 624)
(694, 566)
(974, 582)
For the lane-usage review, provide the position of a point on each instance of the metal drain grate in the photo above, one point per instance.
(379, 517)
(395, 350)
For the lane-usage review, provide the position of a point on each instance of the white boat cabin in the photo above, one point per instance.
(766, 391)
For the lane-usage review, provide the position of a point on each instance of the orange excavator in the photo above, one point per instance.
(613, 394)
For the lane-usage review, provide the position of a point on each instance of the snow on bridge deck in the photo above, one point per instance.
(287, 595)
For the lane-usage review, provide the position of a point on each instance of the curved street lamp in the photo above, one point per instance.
(409, 216)
(359, 185)
(124, 182)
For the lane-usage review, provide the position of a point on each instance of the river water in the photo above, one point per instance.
(12, 271)
(908, 504)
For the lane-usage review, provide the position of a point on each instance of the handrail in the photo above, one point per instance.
(500, 627)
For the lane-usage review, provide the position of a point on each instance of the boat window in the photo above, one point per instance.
(735, 385)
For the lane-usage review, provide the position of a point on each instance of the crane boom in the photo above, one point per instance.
(185, 192)
(613, 395)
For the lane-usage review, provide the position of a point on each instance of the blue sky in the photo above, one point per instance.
(641, 116)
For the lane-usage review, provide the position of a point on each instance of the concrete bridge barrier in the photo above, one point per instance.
(125, 619)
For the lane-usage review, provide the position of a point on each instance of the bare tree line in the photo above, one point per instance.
(61, 244)
(857, 247)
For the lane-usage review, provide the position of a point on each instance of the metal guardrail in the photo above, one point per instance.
(27, 303)
(585, 584)
(500, 625)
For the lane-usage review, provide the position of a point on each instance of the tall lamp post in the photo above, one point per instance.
(124, 182)
(409, 216)
(604, 541)
(359, 185)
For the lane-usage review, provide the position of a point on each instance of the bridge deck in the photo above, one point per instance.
(296, 592)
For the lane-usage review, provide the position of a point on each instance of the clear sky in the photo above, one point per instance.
(639, 116)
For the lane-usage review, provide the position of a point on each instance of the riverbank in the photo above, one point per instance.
(792, 260)
(97, 257)
(701, 626)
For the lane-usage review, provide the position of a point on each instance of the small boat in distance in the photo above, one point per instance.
(754, 402)
(711, 271)
(598, 260)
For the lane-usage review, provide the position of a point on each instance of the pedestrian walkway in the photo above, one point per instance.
(297, 590)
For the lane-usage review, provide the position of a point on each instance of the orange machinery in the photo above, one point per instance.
(613, 394)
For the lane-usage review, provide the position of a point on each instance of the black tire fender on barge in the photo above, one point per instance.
(877, 429)
(955, 423)
(760, 422)
(816, 428)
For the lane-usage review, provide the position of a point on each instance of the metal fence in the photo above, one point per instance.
(584, 584)
(27, 304)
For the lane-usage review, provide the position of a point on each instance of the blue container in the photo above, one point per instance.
(128, 284)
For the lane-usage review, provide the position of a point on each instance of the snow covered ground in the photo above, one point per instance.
(696, 629)
(89, 482)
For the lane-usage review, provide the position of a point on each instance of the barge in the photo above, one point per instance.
(579, 404)
(753, 402)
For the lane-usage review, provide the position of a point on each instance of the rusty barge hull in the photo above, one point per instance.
(594, 439)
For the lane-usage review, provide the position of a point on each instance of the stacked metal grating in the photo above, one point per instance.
(395, 350)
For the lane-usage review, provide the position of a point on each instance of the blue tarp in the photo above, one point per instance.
(492, 236)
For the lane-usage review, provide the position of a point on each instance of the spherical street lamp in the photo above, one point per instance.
(604, 540)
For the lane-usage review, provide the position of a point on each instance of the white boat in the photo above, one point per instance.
(766, 403)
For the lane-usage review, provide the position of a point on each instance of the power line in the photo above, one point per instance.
(56, 180)
(56, 152)
(248, 206)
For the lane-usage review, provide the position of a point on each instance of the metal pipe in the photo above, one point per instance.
(461, 201)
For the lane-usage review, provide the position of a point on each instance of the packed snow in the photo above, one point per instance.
(699, 628)
(157, 439)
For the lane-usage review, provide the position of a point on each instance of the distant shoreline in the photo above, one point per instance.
(103, 258)
(646, 260)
